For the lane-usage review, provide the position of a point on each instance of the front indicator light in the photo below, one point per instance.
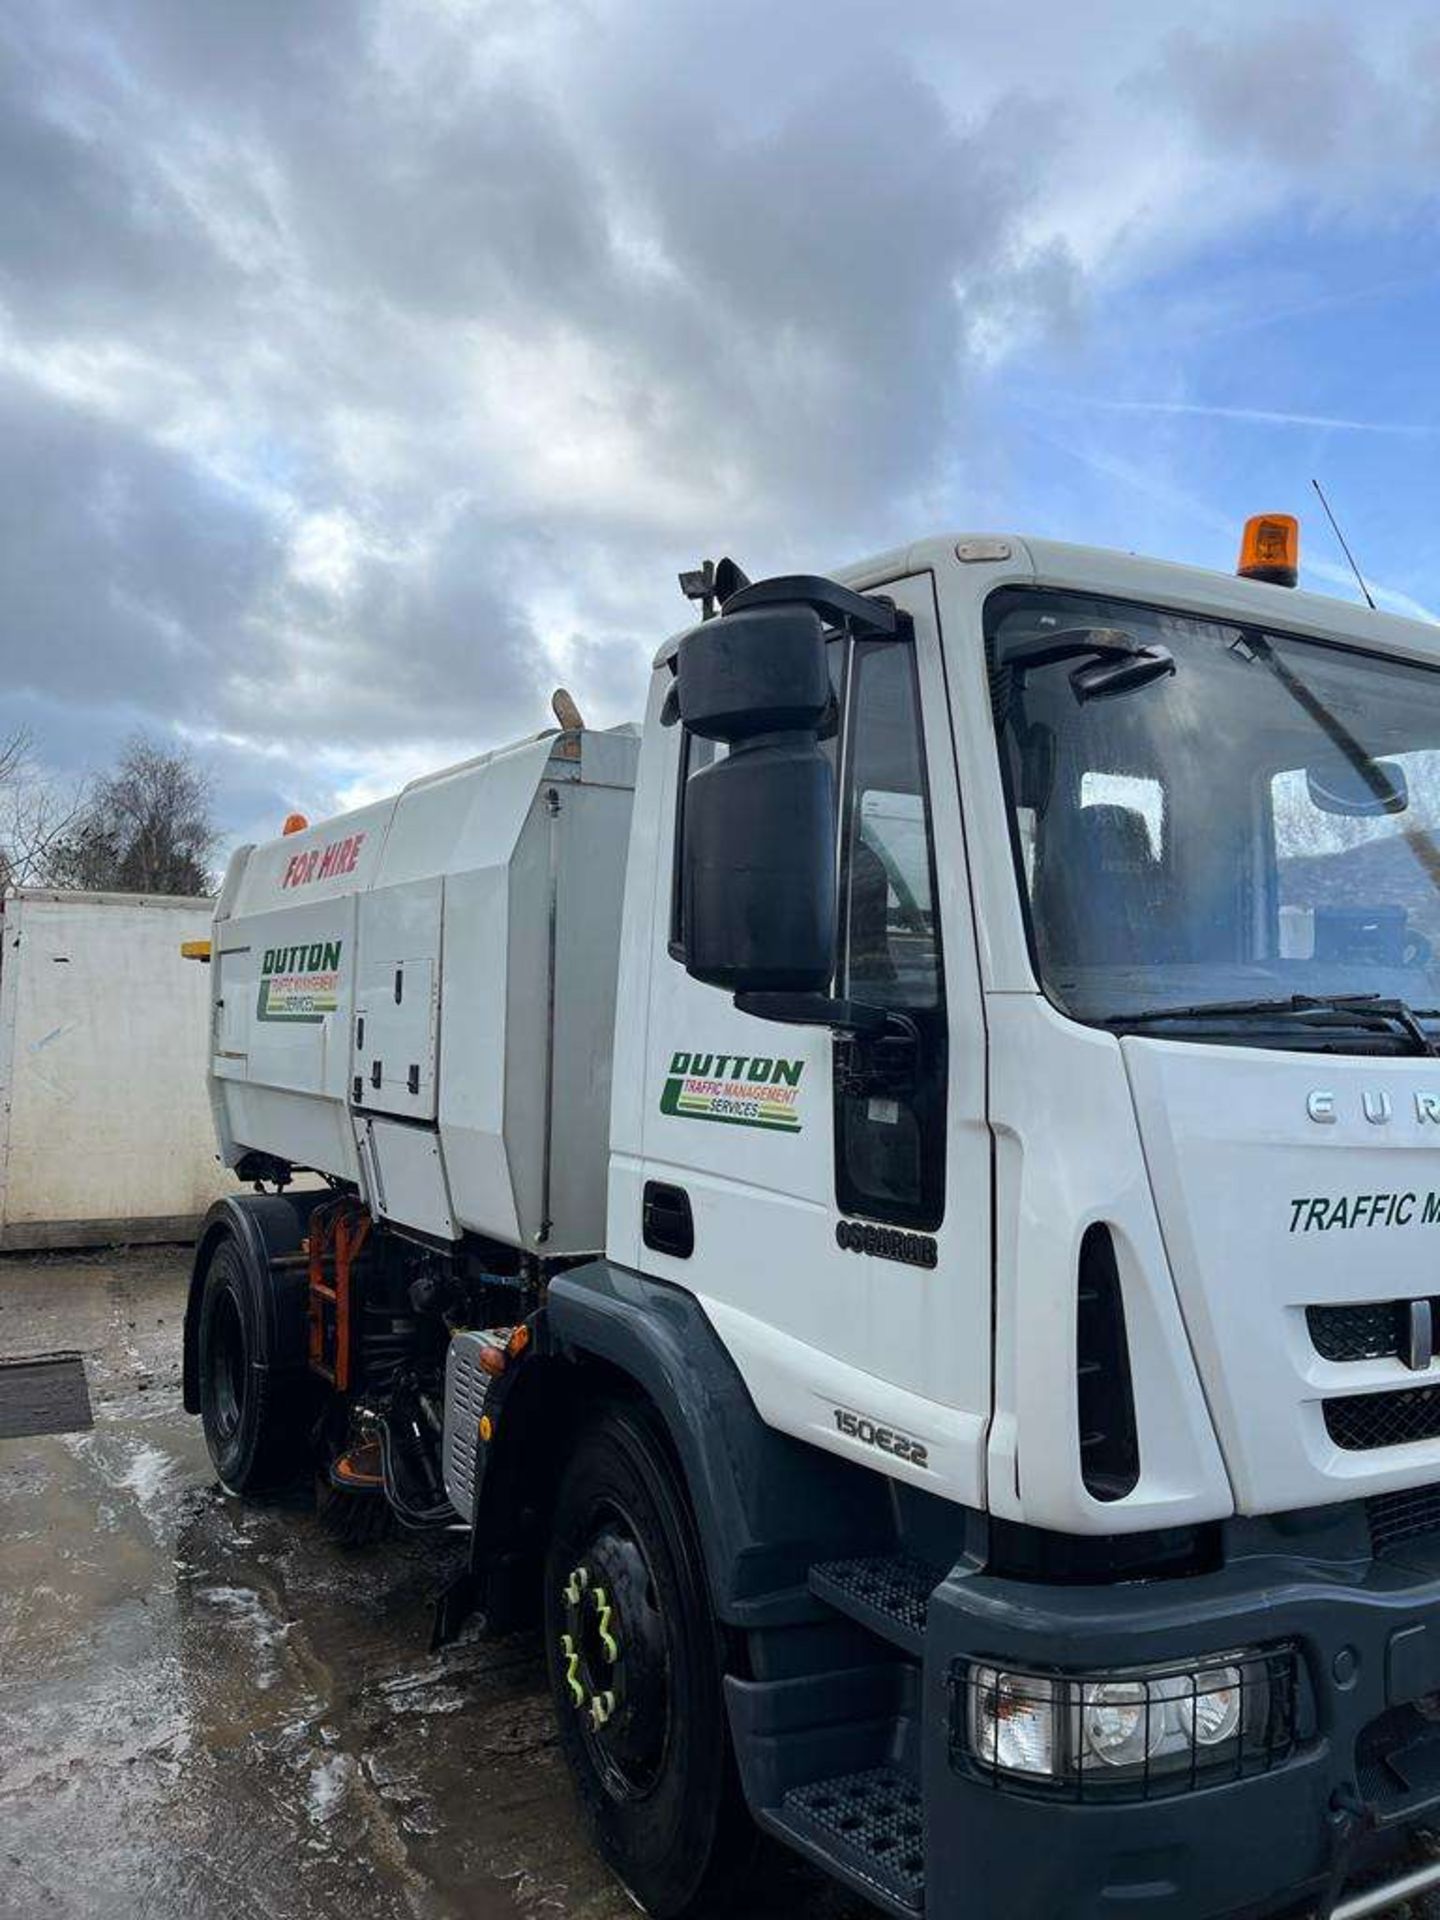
(1012, 1721)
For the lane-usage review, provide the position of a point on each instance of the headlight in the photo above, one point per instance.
(1118, 1724)
(1156, 1728)
(1212, 1712)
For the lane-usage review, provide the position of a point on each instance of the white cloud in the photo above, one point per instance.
(354, 387)
(1254, 416)
(325, 553)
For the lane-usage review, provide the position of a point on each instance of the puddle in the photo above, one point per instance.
(212, 1707)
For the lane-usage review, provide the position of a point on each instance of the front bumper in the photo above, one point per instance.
(1350, 1800)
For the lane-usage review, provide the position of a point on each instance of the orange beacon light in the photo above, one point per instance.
(1270, 549)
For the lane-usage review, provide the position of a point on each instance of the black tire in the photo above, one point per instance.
(656, 1780)
(256, 1421)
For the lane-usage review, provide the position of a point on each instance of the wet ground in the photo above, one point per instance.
(211, 1708)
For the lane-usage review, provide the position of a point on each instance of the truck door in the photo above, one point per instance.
(834, 1218)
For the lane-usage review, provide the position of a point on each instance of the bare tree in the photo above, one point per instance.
(145, 828)
(36, 813)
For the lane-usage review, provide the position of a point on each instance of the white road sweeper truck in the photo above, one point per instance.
(897, 1206)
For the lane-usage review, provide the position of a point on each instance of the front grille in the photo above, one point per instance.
(1104, 1395)
(1373, 1330)
(1369, 1420)
(1397, 1757)
(1395, 1518)
(467, 1386)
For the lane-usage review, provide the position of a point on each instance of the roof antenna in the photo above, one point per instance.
(1369, 599)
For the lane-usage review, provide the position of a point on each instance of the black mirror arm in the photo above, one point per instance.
(852, 1017)
(836, 605)
(884, 1064)
(877, 1052)
(813, 1010)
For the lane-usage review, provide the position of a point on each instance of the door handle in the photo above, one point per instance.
(668, 1226)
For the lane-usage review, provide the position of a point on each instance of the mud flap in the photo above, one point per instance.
(454, 1605)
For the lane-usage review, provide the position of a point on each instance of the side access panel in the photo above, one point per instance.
(405, 1175)
(397, 1001)
(282, 981)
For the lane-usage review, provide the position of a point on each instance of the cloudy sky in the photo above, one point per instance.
(367, 366)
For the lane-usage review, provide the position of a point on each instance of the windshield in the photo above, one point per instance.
(1206, 815)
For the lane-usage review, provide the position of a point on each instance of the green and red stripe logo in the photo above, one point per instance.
(300, 983)
(734, 1090)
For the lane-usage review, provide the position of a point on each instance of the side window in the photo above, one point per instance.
(890, 1147)
(1354, 889)
(695, 753)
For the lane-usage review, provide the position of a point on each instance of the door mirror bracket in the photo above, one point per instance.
(877, 1051)
(869, 616)
(879, 1067)
(816, 1010)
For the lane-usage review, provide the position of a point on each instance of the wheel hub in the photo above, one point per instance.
(614, 1661)
(227, 1367)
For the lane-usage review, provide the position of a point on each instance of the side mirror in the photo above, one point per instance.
(1358, 790)
(758, 879)
(754, 673)
(758, 853)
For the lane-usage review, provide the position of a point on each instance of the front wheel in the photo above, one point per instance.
(633, 1657)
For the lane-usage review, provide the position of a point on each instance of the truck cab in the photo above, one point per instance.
(1167, 944)
(996, 1401)
(1119, 1234)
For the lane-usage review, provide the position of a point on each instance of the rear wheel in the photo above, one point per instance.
(634, 1662)
(254, 1413)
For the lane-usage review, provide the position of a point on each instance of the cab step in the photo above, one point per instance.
(866, 1828)
(890, 1595)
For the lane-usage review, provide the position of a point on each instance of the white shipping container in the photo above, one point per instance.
(105, 1125)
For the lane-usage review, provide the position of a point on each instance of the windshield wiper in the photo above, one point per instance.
(1363, 1008)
